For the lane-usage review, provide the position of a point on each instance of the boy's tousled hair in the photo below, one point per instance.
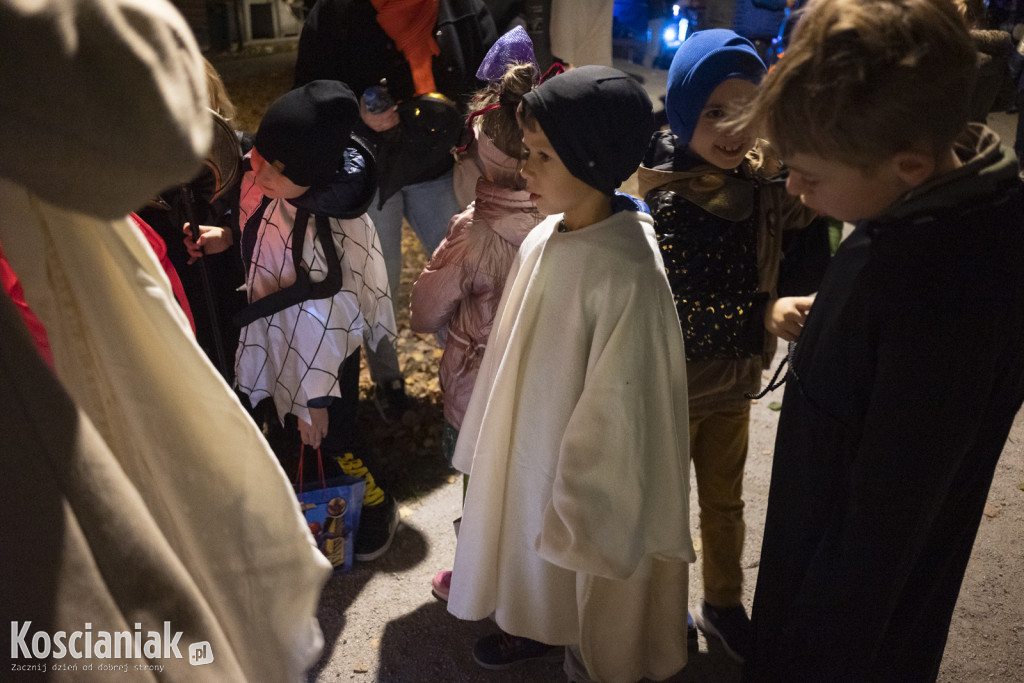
(500, 124)
(864, 80)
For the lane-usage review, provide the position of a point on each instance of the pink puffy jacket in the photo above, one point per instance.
(460, 288)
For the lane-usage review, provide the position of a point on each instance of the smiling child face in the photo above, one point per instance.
(717, 147)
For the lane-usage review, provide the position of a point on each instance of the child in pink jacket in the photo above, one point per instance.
(459, 290)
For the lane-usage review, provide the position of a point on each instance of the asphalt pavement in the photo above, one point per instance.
(382, 623)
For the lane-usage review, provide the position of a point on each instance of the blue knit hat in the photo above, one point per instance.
(703, 62)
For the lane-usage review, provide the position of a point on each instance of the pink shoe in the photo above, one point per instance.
(442, 585)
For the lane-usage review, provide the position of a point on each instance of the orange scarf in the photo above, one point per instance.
(410, 23)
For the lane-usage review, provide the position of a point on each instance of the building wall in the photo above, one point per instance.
(195, 14)
(268, 20)
(218, 24)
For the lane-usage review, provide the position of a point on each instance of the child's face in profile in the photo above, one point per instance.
(848, 193)
(552, 187)
(271, 182)
(717, 147)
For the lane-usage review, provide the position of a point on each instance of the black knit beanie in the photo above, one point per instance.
(305, 131)
(598, 120)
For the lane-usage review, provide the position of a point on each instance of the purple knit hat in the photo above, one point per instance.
(514, 46)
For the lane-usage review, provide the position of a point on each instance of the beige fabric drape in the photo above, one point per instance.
(581, 31)
(575, 528)
(137, 489)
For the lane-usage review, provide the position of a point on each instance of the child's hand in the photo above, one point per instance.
(313, 432)
(212, 240)
(785, 317)
(378, 122)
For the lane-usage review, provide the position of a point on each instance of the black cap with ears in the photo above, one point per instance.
(305, 131)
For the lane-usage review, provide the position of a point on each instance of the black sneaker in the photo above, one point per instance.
(377, 526)
(390, 399)
(731, 625)
(500, 651)
(692, 639)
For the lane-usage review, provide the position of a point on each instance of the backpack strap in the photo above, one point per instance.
(303, 289)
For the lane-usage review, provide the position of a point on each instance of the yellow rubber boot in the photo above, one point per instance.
(354, 467)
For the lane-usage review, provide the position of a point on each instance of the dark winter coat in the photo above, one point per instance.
(903, 388)
(995, 49)
(341, 40)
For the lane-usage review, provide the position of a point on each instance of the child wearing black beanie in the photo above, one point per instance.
(720, 208)
(315, 280)
(576, 521)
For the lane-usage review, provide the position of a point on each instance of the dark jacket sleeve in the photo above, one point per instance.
(320, 44)
(805, 237)
(347, 195)
(805, 256)
(465, 32)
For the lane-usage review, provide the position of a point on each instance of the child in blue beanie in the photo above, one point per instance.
(720, 209)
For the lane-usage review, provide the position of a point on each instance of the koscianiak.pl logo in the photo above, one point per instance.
(79, 650)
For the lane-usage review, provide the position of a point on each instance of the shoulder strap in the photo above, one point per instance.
(330, 285)
(303, 288)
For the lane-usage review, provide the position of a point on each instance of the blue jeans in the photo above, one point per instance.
(429, 207)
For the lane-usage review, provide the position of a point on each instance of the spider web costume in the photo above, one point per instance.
(293, 355)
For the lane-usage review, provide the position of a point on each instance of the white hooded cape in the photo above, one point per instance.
(576, 522)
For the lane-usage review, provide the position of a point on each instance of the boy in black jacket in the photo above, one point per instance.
(909, 372)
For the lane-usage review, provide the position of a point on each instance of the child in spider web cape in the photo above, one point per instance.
(315, 276)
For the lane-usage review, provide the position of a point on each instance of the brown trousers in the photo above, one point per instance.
(718, 451)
